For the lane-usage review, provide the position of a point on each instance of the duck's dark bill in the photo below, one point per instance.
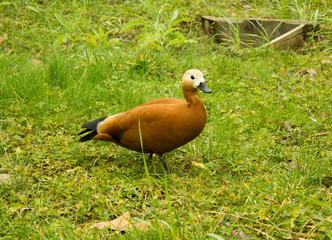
(202, 86)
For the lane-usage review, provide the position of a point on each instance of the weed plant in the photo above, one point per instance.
(261, 168)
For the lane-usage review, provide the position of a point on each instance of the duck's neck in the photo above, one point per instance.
(192, 97)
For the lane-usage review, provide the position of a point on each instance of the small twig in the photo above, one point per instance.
(219, 222)
(264, 233)
(321, 134)
(26, 199)
(39, 183)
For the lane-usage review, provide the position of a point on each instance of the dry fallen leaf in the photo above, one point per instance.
(326, 61)
(122, 223)
(5, 178)
(311, 72)
(3, 38)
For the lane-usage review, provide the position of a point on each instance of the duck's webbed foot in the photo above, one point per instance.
(163, 160)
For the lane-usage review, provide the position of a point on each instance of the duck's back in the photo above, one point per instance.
(162, 101)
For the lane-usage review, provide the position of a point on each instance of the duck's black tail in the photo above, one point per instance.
(91, 128)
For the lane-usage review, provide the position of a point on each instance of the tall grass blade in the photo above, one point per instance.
(170, 209)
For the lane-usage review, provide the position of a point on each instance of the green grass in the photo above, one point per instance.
(266, 148)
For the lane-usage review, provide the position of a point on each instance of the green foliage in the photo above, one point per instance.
(299, 9)
(160, 29)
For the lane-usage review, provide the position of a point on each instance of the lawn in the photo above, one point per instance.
(261, 168)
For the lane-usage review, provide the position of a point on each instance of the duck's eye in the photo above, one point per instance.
(192, 77)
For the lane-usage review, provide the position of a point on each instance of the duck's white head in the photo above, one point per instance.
(194, 79)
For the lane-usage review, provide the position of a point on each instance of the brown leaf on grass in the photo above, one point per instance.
(3, 38)
(170, 74)
(326, 61)
(141, 226)
(5, 178)
(310, 71)
(122, 223)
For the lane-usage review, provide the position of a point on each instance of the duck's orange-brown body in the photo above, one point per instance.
(165, 123)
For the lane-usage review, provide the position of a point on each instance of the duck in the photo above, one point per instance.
(157, 126)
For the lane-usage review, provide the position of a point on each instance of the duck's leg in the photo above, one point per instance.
(150, 156)
(163, 160)
(149, 159)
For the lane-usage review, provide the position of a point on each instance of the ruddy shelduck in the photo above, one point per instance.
(165, 123)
